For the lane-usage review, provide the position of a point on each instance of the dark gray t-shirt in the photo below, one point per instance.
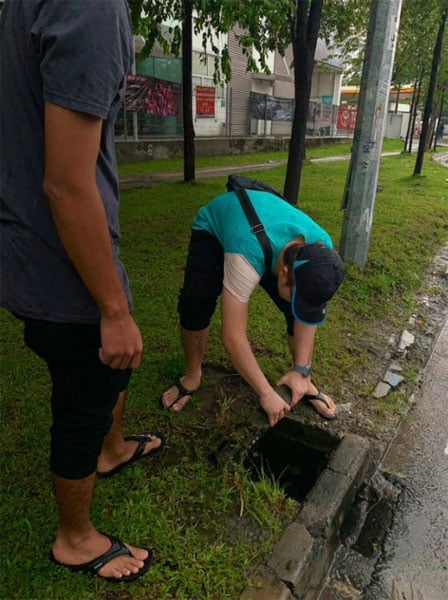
(75, 54)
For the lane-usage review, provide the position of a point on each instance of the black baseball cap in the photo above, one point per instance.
(318, 273)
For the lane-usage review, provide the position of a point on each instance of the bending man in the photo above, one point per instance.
(226, 257)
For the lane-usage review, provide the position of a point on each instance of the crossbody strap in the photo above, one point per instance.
(256, 226)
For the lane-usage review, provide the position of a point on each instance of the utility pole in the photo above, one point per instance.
(360, 190)
(138, 43)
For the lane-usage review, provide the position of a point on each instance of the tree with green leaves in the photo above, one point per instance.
(305, 30)
(276, 26)
(268, 27)
(273, 27)
(428, 114)
(208, 17)
(419, 24)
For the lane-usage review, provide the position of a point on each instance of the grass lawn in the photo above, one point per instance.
(208, 522)
(176, 164)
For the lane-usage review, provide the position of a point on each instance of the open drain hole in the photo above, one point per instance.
(370, 516)
(292, 455)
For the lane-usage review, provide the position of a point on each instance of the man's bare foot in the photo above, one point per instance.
(123, 562)
(321, 403)
(176, 397)
(133, 448)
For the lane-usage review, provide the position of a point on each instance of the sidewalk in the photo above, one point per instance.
(417, 554)
(137, 181)
(142, 180)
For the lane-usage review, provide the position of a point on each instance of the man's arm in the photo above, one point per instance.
(234, 337)
(72, 141)
(301, 346)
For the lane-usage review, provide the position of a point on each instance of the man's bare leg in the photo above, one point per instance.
(116, 449)
(194, 344)
(77, 541)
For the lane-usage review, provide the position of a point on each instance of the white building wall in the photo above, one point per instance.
(203, 75)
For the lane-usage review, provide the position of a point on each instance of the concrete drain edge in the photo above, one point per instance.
(299, 561)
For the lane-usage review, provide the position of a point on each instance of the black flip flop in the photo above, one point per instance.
(182, 393)
(117, 548)
(142, 438)
(319, 396)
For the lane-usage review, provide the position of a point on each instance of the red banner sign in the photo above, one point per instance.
(347, 118)
(205, 101)
(152, 95)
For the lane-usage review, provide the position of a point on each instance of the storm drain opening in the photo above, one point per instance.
(370, 516)
(291, 454)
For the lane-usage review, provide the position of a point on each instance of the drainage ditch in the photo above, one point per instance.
(291, 455)
(362, 537)
(323, 473)
(370, 517)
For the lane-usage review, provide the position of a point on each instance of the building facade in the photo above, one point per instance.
(250, 104)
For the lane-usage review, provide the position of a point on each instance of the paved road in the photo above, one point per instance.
(415, 563)
(416, 549)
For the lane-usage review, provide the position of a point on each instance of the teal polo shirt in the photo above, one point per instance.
(224, 218)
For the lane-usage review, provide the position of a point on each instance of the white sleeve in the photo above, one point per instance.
(240, 278)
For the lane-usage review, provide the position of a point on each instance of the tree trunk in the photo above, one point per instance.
(439, 119)
(306, 28)
(415, 111)
(430, 96)
(434, 121)
(411, 113)
(397, 99)
(187, 91)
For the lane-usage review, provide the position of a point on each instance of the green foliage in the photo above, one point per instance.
(160, 22)
(419, 23)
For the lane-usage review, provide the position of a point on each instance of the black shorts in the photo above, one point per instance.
(84, 393)
(204, 274)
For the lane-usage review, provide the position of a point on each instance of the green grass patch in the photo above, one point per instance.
(207, 521)
(176, 164)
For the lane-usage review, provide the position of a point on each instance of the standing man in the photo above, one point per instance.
(226, 257)
(64, 66)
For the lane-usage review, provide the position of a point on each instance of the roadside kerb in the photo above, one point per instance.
(299, 561)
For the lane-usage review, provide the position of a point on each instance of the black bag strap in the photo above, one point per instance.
(256, 225)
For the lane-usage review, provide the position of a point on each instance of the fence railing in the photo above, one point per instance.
(152, 110)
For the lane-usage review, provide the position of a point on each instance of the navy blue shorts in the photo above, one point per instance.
(204, 274)
(84, 393)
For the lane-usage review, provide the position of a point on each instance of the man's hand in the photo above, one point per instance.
(297, 384)
(274, 407)
(121, 342)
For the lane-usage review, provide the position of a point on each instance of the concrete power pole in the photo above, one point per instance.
(360, 190)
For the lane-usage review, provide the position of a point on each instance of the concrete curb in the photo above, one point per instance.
(299, 561)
